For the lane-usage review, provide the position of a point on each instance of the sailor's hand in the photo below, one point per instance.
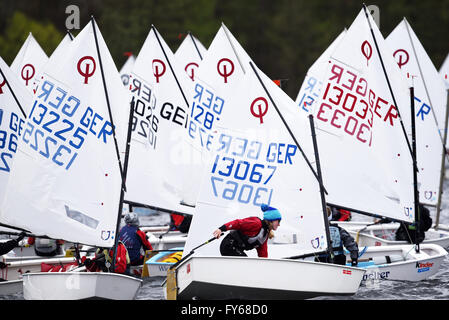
(21, 236)
(217, 233)
(354, 262)
(2, 265)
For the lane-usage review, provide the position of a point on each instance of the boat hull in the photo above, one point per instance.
(258, 278)
(384, 235)
(10, 287)
(79, 286)
(406, 264)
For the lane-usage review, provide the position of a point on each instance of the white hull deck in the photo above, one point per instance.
(10, 287)
(168, 240)
(384, 235)
(15, 269)
(246, 279)
(400, 262)
(79, 286)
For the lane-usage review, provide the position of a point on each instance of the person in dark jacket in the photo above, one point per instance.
(409, 232)
(340, 239)
(249, 233)
(9, 245)
(134, 239)
(103, 260)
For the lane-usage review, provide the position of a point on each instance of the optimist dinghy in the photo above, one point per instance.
(240, 178)
(67, 195)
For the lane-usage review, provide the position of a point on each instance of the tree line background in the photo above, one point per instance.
(283, 37)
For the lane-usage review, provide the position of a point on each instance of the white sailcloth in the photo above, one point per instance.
(65, 181)
(255, 161)
(29, 62)
(189, 54)
(126, 69)
(312, 85)
(444, 71)
(366, 162)
(15, 100)
(158, 88)
(217, 77)
(430, 107)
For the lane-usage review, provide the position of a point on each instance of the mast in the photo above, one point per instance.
(169, 64)
(122, 173)
(415, 169)
(287, 127)
(196, 47)
(443, 158)
(323, 199)
(13, 94)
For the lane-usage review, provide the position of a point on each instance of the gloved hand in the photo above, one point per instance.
(2, 265)
(21, 236)
(88, 262)
(354, 262)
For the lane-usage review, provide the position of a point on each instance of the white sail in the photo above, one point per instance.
(158, 88)
(218, 77)
(126, 69)
(59, 52)
(66, 180)
(430, 107)
(29, 62)
(444, 71)
(312, 85)
(189, 54)
(15, 100)
(366, 162)
(255, 160)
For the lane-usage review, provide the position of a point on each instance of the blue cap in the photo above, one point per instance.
(270, 213)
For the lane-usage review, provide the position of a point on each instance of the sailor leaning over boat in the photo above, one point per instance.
(249, 233)
(7, 246)
(339, 238)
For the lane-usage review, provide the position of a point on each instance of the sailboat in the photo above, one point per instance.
(367, 160)
(431, 114)
(157, 165)
(66, 181)
(256, 160)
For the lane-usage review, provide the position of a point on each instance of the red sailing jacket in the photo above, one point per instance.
(250, 227)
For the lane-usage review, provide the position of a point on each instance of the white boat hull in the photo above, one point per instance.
(15, 269)
(406, 264)
(169, 240)
(259, 278)
(79, 285)
(384, 235)
(10, 287)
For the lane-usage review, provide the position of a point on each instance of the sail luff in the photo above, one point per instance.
(388, 80)
(287, 127)
(443, 158)
(13, 94)
(169, 64)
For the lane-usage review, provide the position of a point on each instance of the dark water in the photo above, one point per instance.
(436, 288)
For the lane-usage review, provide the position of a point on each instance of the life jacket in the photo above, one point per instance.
(132, 242)
(248, 243)
(108, 257)
(337, 245)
